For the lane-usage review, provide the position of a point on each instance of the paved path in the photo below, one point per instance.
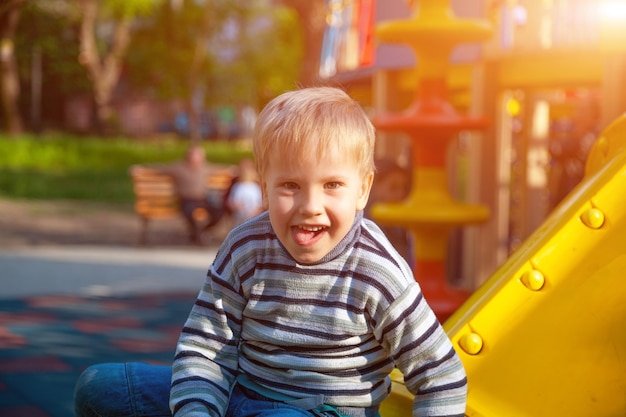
(101, 270)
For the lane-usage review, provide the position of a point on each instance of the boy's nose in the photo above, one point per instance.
(311, 203)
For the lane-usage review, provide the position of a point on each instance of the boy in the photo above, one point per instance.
(307, 307)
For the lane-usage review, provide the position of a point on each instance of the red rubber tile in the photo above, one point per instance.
(35, 364)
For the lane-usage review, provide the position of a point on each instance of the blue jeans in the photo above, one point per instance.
(245, 403)
(141, 390)
(123, 390)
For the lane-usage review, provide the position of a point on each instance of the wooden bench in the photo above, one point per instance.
(156, 199)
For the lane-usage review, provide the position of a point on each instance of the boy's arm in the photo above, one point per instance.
(205, 365)
(424, 354)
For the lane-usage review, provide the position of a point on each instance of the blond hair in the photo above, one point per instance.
(313, 122)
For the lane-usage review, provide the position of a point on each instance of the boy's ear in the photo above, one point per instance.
(364, 193)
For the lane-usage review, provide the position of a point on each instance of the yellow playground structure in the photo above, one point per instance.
(544, 336)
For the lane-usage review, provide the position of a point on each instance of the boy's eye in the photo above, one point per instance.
(290, 185)
(333, 185)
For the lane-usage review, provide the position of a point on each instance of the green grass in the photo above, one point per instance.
(59, 166)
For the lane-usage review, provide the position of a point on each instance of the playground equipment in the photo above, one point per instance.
(429, 213)
(544, 336)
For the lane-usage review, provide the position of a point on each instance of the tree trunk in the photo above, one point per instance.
(104, 72)
(9, 79)
(312, 16)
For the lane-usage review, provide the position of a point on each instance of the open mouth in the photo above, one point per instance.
(307, 235)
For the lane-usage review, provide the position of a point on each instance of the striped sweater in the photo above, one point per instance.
(337, 327)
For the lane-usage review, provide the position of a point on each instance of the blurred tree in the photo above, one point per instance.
(162, 50)
(216, 53)
(50, 31)
(209, 53)
(170, 55)
(9, 80)
(261, 58)
(212, 18)
(312, 18)
(105, 34)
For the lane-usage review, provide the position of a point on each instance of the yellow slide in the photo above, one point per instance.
(546, 334)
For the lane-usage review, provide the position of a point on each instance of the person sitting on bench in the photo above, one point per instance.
(190, 182)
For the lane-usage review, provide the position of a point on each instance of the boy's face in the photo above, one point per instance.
(312, 205)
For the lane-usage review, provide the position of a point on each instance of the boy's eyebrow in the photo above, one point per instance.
(335, 177)
(288, 176)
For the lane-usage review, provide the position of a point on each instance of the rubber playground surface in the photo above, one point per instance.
(47, 341)
(76, 290)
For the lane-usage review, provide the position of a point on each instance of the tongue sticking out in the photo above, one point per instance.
(304, 237)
